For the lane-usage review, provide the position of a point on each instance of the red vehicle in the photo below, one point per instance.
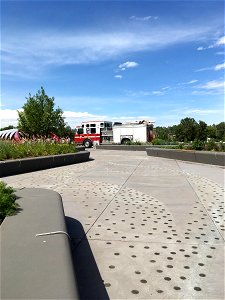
(93, 131)
(102, 132)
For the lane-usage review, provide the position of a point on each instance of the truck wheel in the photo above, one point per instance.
(125, 141)
(87, 143)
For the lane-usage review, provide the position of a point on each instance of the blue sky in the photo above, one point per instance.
(115, 60)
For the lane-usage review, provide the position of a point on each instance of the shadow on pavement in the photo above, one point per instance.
(89, 280)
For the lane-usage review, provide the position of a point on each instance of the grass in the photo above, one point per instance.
(11, 150)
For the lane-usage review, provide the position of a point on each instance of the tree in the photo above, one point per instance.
(187, 130)
(67, 132)
(7, 127)
(39, 116)
(220, 131)
(201, 131)
(161, 132)
(211, 131)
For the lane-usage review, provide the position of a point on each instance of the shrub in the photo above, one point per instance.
(8, 206)
(198, 145)
(10, 150)
(181, 146)
(211, 145)
(159, 142)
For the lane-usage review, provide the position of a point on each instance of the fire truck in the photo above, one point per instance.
(106, 132)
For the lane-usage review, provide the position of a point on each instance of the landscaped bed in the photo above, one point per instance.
(14, 150)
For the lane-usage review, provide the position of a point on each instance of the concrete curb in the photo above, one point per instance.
(37, 267)
(18, 166)
(123, 147)
(205, 157)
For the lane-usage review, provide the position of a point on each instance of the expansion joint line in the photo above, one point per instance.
(121, 187)
(200, 201)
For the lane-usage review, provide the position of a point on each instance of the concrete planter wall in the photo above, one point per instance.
(205, 157)
(123, 147)
(18, 166)
(36, 261)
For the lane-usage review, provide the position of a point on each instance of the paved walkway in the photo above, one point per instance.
(155, 226)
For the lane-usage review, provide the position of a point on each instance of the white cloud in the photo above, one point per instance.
(202, 111)
(33, 52)
(219, 67)
(146, 18)
(73, 118)
(192, 81)
(188, 82)
(132, 118)
(128, 65)
(118, 76)
(214, 87)
(158, 93)
(8, 117)
(219, 42)
(73, 114)
(204, 69)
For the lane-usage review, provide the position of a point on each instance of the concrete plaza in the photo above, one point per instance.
(142, 227)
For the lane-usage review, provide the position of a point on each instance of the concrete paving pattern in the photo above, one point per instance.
(155, 226)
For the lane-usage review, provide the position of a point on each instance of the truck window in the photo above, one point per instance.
(108, 126)
(93, 130)
(93, 125)
(80, 130)
(87, 125)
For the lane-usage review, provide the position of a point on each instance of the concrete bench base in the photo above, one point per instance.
(18, 166)
(37, 267)
(205, 157)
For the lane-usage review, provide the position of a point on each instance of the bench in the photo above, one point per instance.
(36, 261)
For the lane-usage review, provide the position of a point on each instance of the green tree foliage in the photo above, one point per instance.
(161, 132)
(187, 130)
(216, 132)
(220, 131)
(39, 116)
(190, 130)
(165, 133)
(67, 131)
(201, 131)
(7, 127)
(211, 131)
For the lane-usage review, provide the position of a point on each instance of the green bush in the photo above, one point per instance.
(198, 145)
(159, 142)
(10, 150)
(8, 206)
(211, 145)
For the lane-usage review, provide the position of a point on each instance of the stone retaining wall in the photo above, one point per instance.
(205, 157)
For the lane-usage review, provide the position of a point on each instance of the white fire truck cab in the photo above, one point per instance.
(105, 132)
